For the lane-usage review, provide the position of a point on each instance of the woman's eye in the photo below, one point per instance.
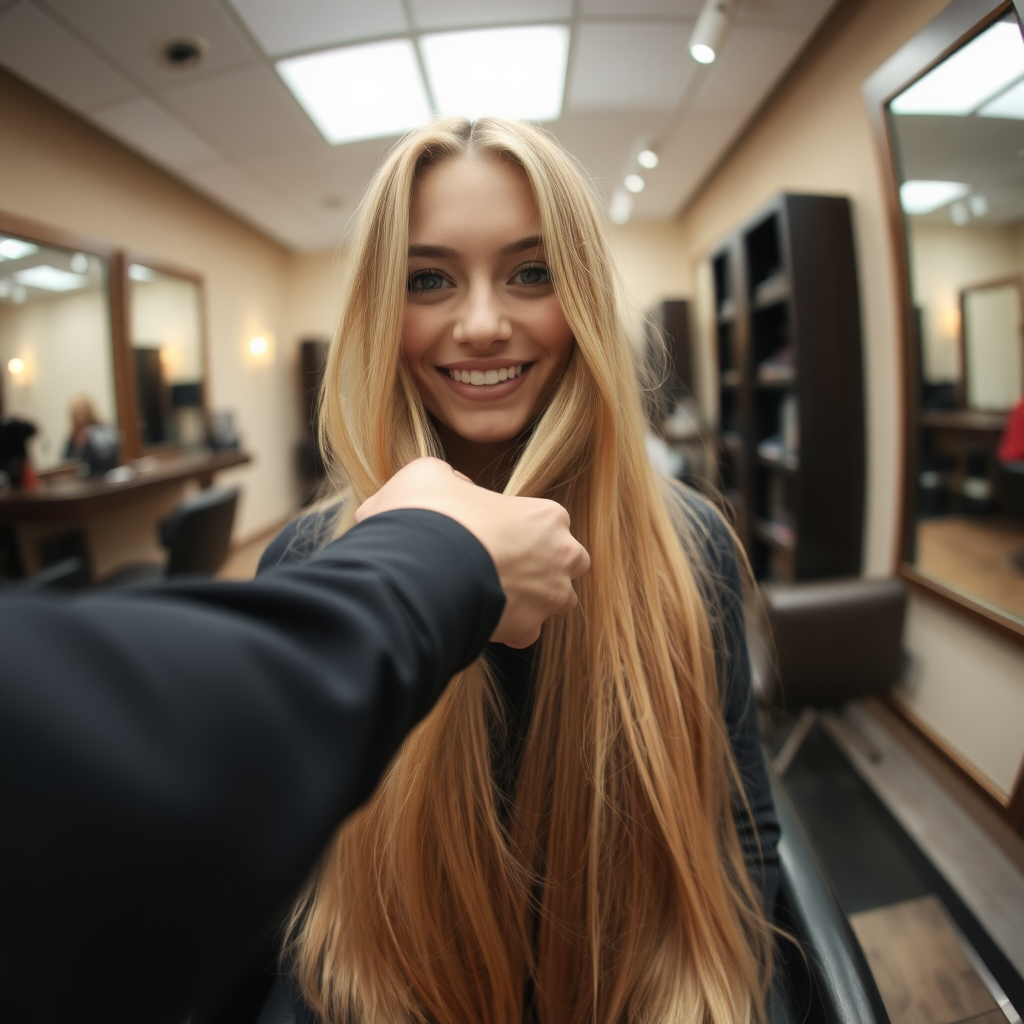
(535, 275)
(426, 281)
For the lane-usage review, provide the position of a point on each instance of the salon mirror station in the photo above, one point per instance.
(56, 348)
(958, 137)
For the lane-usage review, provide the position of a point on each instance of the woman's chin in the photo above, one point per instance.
(485, 433)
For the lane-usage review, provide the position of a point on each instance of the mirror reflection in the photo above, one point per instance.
(959, 138)
(166, 329)
(56, 353)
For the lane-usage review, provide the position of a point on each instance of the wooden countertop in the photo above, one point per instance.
(64, 497)
(965, 419)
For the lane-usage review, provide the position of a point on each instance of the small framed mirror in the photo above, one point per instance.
(57, 344)
(167, 346)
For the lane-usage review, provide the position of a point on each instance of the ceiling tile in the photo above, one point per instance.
(602, 142)
(144, 126)
(752, 60)
(236, 190)
(688, 155)
(623, 66)
(643, 8)
(434, 14)
(308, 24)
(803, 13)
(247, 111)
(128, 31)
(36, 48)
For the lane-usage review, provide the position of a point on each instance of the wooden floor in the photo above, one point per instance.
(923, 973)
(971, 554)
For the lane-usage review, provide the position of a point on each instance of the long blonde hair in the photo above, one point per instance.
(614, 890)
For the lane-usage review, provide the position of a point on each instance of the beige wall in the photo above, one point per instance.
(58, 170)
(813, 135)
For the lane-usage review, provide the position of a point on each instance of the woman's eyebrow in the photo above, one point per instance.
(533, 242)
(437, 252)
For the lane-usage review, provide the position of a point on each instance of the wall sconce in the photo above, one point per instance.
(710, 31)
(259, 351)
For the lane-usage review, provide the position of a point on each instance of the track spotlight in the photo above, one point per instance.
(710, 31)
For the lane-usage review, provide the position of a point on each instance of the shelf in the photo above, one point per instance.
(730, 378)
(771, 291)
(788, 462)
(964, 419)
(732, 440)
(780, 377)
(777, 534)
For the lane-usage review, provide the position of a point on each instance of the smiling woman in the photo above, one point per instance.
(583, 830)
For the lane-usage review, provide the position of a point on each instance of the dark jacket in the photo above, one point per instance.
(172, 760)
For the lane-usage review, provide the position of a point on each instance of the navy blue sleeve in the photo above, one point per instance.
(173, 760)
(757, 823)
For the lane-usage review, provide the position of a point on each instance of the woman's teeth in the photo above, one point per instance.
(486, 376)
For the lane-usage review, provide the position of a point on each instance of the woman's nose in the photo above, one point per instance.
(482, 322)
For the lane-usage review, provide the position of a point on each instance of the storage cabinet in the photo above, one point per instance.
(790, 391)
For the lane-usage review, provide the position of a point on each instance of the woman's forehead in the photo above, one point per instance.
(469, 196)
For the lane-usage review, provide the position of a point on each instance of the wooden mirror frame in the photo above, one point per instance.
(44, 234)
(125, 259)
(946, 33)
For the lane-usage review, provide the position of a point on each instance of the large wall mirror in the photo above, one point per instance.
(57, 339)
(950, 112)
(168, 354)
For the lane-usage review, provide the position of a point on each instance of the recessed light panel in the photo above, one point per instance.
(925, 196)
(1010, 104)
(15, 248)
(359, 92)
(962, 82)
(502, 72)
(50, 279)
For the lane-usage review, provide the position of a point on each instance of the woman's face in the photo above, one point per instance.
(483, 331)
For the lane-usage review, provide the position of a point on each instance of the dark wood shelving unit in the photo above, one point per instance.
(790, 388)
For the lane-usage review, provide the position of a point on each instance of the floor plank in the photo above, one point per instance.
(922, 972)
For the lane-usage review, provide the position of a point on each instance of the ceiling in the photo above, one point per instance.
(230, 129)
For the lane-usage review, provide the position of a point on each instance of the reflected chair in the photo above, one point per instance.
(197, 535)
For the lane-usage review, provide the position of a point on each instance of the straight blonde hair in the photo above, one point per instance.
(614, 888)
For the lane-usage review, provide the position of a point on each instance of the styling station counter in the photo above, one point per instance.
(116, 515)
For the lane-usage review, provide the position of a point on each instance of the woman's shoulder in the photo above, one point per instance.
(702, 525)
(300, 539)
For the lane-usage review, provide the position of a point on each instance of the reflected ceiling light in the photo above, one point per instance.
(959, 214)
(634, 183)
(621, 208)
(137, 272)
(647, 158)
(16, 366)
(710, 31)
(925, 196)
(359, 92)
(501, 72)
(50, 279)
(258, 346)
(80, 263)
(15, 248)
(979, 204)
(962, 82)
(1009, 104)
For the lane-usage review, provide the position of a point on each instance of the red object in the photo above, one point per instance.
(1011, 445)
(29, 480)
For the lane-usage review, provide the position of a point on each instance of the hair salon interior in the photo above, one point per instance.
(811, 207)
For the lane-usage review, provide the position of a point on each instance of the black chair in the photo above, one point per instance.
(823, 976)
(196, 534)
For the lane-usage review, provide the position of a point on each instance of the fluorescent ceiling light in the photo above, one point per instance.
(50, 279)
(710, 31)
(501, 72)
(962, 82)
(925, 196)
(359, 92)
(15, 248)
(137, 272)
(633, 183)
(647, 158)
(1009, 104)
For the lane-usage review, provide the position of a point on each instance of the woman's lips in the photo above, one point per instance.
(485, 392)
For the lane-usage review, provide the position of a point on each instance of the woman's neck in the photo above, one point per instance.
(488, 464)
